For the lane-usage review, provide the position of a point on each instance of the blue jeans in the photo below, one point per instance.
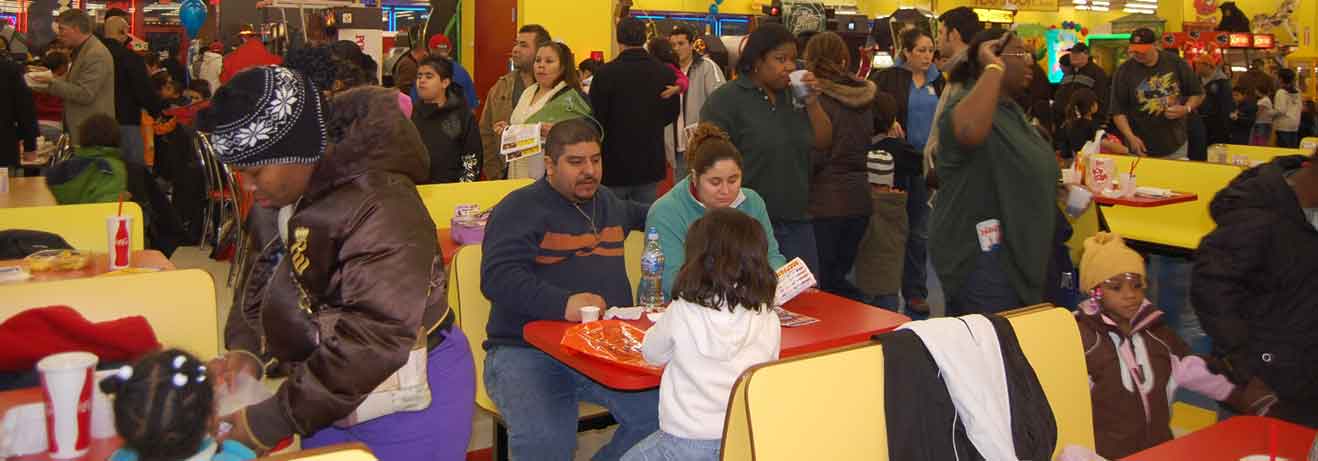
(644, 193)
(537, 397)
(914, 272)
(1170, 277)
(838, 240)
(131, 146)
(662, 446)
(985, 290)
(796, 239)
(1288, 139)
(679, 167)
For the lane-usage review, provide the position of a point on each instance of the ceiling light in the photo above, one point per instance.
(1082, 7)
(1099, 8)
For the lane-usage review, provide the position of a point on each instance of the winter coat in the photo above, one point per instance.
(18, 118)
(625, 98)
(361, 280)
(839, 184)
(251, 53)
(95, 174)
(705, 77)
(452, 138)
(1255, 286)
(133, 92)
(499, 104)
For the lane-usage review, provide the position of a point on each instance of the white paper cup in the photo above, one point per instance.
(1077, 200)
(1128, 185)
(1070, 176)
(590, 314)
(66, 380)
(799, 90)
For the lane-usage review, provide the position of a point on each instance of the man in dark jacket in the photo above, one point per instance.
(18, 119)
(1217, 107)
(447, 126)
(350, 292)
(133, 92)
(1088, 72)
(1255, 283)
(627, 102)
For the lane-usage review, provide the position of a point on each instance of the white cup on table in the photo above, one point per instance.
(68, 381)
(590, 314)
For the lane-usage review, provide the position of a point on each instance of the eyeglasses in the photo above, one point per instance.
(1017, 54)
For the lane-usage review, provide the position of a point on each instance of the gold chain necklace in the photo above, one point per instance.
(589, 218)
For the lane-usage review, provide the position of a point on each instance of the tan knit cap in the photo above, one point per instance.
(1106, 255)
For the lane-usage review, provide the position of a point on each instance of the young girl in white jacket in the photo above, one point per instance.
(720, 323)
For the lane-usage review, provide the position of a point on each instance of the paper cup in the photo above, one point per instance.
(1077, 200)
(799, 89)
(1127, 185)
(66, 382)
(590, 314)
(1070, 176)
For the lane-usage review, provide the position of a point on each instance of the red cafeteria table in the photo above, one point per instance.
(842, 322)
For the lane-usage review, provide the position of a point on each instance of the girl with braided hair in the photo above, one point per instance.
(164, 409)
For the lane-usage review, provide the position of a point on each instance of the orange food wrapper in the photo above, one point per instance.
(614, 341)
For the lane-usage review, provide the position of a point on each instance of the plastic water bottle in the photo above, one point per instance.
(650, 293)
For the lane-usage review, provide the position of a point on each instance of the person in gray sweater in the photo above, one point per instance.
(705, 77)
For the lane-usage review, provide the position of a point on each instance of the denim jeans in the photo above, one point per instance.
(1170, 290)
(662, 446)
(1288, 139)
(837, 241)
(679, 167)
(796, 239)
(131, 146)
(985, 290)
(914, 272)
(537, 397)
(644, 193)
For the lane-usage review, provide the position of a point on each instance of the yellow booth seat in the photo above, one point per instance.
(83, 226)
(343, 452)
(179, 305)
(1181, 225)
(1260, 154)
(830, 405)
(442, 199)
(1308, 146)
(473, 310)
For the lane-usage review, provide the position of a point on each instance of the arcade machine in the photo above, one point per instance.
(887, 30)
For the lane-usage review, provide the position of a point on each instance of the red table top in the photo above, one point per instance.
(98, 264)
(842, 322)
(1147, 202)
(100, 448)
(1233, 439)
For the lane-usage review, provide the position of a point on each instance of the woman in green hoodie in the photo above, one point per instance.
(714, 182)
(96, 172)
(554, 98)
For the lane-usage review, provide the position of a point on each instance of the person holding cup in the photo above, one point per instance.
(992, 226)
(775, 137)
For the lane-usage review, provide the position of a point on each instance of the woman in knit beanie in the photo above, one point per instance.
(1135, 361)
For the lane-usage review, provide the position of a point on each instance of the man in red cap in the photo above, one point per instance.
(1153, 93)
(251, 53)
(440, 46)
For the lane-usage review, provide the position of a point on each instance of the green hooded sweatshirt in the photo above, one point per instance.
(94, 175)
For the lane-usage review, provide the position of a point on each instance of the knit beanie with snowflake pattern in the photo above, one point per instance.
(268, 115)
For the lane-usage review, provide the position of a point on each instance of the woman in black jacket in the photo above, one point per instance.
(916, 85)
(447, 126)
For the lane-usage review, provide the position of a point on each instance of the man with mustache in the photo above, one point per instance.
(550, 249)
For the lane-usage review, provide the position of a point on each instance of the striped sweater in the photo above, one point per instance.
(540, 249)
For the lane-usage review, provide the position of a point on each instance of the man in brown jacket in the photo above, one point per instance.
(350, 292)
(502, 98)
(88, 87)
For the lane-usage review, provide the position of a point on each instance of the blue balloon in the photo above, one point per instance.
(718, 2)
(713, 9)
(192, 13)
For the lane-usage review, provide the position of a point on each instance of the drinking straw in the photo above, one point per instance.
(1135, 164)
(121, 204)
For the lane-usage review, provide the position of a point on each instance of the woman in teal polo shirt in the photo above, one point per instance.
(774, 136)
(991, 231)
(714, 182)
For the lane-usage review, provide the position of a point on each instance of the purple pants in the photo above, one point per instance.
(440, 432)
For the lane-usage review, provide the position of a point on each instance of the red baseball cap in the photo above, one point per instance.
(440, 41)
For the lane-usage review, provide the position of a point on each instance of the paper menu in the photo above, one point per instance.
(520, 141)
(793, 279)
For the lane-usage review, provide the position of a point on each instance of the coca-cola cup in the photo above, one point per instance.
(66, 382)
(120, 232)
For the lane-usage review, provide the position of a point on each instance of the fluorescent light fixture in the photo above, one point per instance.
(1080, 2)
(1239, 69)
(1100, 3)
(1082, 7)
(1099, 8)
